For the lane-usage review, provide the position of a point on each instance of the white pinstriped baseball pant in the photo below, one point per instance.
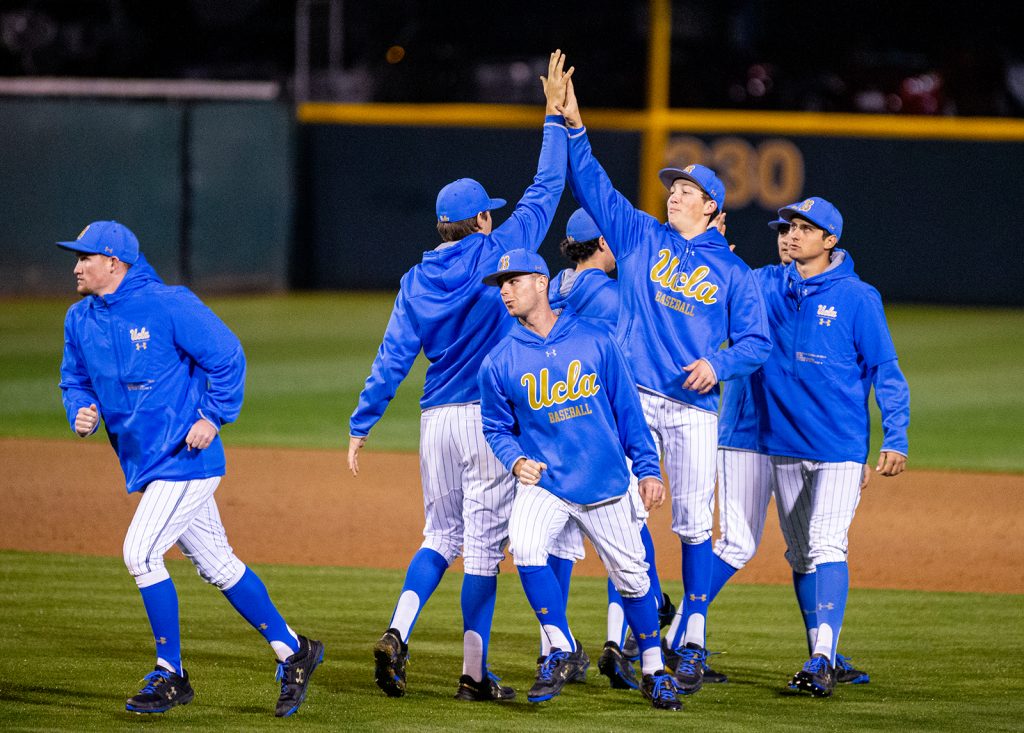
(538, 517)
(816, 502)
(467, 493)
(569, 544)
(744, 490)
(182, 513)
(687, 441)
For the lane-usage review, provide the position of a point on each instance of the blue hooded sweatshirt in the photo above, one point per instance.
(154, 360)
(737, 419)
(832, 343)
(570, 401)
(591, 293)
(445, 310)
(680, 299)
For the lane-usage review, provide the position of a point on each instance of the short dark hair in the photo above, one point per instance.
(578, 251)
(453, 231)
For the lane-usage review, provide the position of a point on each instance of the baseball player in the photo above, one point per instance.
(164, 374)
(744, 489)
(444, 310)
(557, 388)
(594, 296)
(832, 345)
(686, 293)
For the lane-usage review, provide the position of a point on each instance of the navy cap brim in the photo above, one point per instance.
(76, 247)
(668, 176)
(493, 278)
(790, 214)
(495, 204)
(774, 224)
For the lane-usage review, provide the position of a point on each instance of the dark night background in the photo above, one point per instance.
(950, 58)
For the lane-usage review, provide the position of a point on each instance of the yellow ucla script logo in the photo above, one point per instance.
(667, 274)
(576, 385)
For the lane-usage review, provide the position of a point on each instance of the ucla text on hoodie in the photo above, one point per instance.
(832, 343)
(154, 359)
(679, 299)
(570, 401)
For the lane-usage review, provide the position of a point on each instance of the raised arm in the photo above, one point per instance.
(530, 220)
(622, 224)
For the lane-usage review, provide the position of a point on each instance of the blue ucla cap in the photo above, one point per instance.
(774, 224)
(703, 176)
(109, 238)
(581, 228)
(463, 199)
(819, 212)
(518, 262)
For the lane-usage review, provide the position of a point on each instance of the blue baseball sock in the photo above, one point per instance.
(545, 597)
(250, 598)
(478, 595)
(617, 623)
(562, 569)
(161, 602)
(642, 616)
(425, 571)
(696, 587)
(805, 585)
(832, 588)
(721, 571)
(652, 566)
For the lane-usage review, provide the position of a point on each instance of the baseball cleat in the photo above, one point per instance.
(817, 677)
(617, 668)
(661, 690)
(845, 674)
(552, 675)
(163, 690)
(487, 690)
(710, 675)
(689, 672)
(390, 655)
(580, 664)
(667, 612)
(294, 674)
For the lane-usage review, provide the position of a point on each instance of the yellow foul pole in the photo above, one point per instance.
(655, 132)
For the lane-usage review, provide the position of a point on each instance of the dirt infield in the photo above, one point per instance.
(924, 530)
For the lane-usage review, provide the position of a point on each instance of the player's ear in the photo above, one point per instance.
(831, 241)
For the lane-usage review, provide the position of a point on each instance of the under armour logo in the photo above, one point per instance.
(140, 345)
(162, 640)
(826, 606)
(263, 627)
(172, 691)
(298, 675)
(552, 352)
(824, 322)
(695, 597)
(650, 635)
(543, 611)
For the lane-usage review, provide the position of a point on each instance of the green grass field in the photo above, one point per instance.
(309, 355)
(75, 642)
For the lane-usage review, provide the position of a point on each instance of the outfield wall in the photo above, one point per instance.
(926, 220)
(207, 187)
(238, 196)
